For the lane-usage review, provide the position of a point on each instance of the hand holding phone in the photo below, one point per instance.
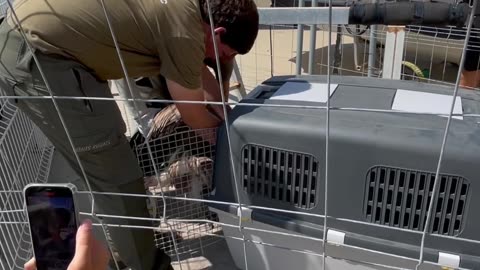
(89, 253)
(58, 243)
(53, 224)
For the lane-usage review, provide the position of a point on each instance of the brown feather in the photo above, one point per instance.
(166, 122)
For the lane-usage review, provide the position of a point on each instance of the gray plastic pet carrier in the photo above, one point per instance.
(382, 167)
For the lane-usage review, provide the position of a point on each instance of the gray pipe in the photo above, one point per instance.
(301, 3)
(313, 43)
(409, 13)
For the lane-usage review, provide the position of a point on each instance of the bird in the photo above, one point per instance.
(188, 174)
(168, 137)
(166, 122)
(184, 160)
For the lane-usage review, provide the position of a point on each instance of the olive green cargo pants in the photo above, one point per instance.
(97, 130)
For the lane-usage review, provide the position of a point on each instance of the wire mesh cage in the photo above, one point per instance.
(25, 157)
(430, 54)
(427, 53)
(435, 52)
(185, 162)
(178, 162)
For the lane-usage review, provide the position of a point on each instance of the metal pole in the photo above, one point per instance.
(372, 50)
(3, 8)
(337, 59)
(313, 43)
(393, 54)
(238, 76)
(301, 3)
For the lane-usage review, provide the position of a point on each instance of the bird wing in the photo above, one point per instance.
(166, 122)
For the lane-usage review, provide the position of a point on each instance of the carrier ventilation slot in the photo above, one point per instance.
(280, 175)
(400, 198)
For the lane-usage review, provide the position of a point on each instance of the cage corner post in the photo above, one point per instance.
(394, 50)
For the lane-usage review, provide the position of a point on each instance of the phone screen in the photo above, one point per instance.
(51, 214)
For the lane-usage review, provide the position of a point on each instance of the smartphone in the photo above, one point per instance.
(52, 220)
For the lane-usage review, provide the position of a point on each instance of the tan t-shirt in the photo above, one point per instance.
(155, 36)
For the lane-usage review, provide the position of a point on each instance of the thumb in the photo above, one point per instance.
(30, 265)
(83, 245)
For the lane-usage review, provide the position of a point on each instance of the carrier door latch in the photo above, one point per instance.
(447, 260)
(244, 213)
(335, 237)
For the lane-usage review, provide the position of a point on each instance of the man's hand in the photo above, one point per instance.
(213, 93)
(89, 253)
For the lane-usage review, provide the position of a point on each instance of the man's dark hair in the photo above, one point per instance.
(238, 17)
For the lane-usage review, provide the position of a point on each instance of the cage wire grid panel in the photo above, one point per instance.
(178, 170)
(25, 157)
(185, 161)
(430, 54)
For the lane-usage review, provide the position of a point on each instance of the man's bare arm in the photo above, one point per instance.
(213, 93)
(226, 68)
(196, 116)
